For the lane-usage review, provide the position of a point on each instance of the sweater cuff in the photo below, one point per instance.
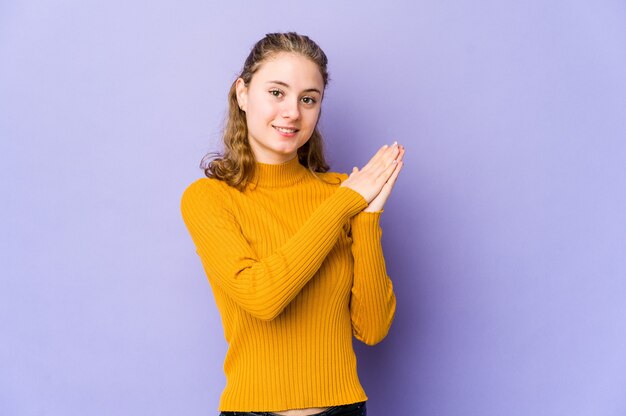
(351, 199)
(366, 225)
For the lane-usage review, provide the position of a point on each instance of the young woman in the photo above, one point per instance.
(292, 251)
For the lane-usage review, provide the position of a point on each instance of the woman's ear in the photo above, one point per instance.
(242, 93)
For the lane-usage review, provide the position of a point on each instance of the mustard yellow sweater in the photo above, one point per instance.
(296, 269)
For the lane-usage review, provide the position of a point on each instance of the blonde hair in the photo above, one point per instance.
(236, 164)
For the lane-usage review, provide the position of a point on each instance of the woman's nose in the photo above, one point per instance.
(291, 109)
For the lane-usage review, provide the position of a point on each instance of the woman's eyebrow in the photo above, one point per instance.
(287, 85)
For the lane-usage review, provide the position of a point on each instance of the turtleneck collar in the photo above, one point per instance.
(279, 175)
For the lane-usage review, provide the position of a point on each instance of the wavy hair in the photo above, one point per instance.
(236, 164)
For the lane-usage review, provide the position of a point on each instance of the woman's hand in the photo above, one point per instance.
(376, 179)
(379, 202)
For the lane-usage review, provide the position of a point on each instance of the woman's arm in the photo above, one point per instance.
(373, 302)
(262, 286)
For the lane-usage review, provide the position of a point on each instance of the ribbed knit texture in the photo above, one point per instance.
(296, 269)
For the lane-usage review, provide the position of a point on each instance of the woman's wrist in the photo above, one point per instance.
(373, 210)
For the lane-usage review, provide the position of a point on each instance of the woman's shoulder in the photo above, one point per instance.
(205, 184)
(333, 178)
(205, 189)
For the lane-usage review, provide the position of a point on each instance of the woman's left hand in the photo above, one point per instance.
(378, 203)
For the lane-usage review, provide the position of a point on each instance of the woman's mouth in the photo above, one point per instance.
(286, 131)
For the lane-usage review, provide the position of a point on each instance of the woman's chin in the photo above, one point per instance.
(287, 151)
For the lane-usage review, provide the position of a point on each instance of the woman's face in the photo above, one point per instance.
(282, 103)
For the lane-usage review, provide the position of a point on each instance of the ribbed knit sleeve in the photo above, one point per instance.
(264, 286)
(373, 302)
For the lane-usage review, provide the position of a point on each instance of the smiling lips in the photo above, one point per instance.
(286, 131)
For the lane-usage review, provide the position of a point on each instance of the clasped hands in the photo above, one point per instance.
(376, 179)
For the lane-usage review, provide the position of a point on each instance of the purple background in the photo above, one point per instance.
(505, 236)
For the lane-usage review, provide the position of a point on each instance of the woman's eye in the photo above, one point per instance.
(275, 93)
(308, 100)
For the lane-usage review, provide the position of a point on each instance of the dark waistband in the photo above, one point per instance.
(353, 409)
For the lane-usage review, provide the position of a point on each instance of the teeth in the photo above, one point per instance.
(285, 130)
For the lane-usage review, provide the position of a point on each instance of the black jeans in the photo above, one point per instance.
(355, 409)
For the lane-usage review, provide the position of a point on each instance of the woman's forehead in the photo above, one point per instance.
(292, 69)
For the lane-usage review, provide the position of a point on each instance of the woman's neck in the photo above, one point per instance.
(279, 175)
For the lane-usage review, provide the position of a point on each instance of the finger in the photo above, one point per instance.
(386, 166)
(388, 186)
(394, 175)
(386, 190)
(400, 155)
(376, 157)
(385, 172)
(393, 153)
(354, 171)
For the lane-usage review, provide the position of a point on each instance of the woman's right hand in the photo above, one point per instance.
(369, 180)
